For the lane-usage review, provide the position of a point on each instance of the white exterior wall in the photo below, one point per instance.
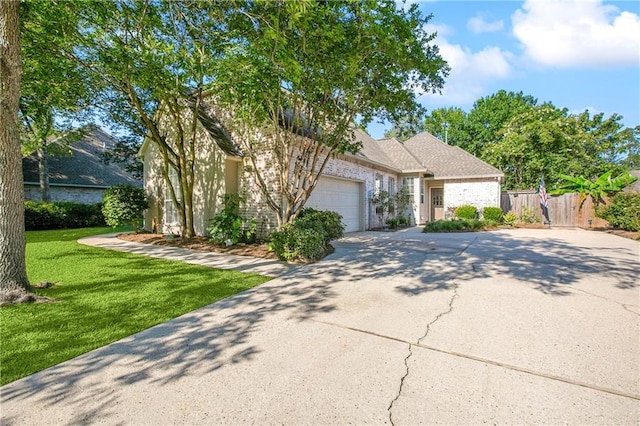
(478, 193)
(341, 168)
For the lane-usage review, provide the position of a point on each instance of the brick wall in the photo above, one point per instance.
(65, 193)
(478, 193)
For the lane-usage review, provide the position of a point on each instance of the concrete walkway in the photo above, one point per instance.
(518, 326)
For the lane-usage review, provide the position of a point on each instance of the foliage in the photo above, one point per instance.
(124, 205)
(466, 212)
(448, 124)
(295, 242)
(151, 60)
(623, 211)
(509, 219)
(306, 71)
(40, 215)
(104, 296)
(492, 213)
(406, 127)
(525, 139)
(307, 237)
(125, 152)
(455, 225)
(382, 202)
(527, 215)
(228, 225)
(403, 200)
(331, 222)
(55, 92)
(392, 223)
(604, 185)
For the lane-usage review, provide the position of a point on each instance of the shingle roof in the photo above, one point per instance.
(371, 150)
(446, 161)
(84, 167)
(399, 155)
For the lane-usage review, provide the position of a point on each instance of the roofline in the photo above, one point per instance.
(74, 185)
(372, 162)
(499, 176)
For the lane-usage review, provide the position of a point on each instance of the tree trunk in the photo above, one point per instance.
(13, 271)
(43, 169)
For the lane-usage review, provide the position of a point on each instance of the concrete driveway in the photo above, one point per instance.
(518, 326)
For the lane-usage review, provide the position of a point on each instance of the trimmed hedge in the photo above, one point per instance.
(493, 214)
(61, 215)
(307, 237)
(466, 212)
(623, 212)
(456, 225)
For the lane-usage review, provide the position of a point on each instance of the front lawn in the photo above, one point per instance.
(100, 296)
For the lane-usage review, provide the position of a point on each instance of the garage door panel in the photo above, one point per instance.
(341, 196)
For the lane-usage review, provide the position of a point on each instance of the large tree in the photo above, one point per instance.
(55, 90)
(305, 73)
(153, 59)
(13, 273)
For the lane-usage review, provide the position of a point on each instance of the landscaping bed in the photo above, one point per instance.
(201, 243)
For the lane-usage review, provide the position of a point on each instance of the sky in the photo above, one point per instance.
(576, 54)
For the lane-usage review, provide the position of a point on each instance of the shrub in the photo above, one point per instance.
(295, 242)
(124, 204)
(455, 225)
(493, 214)
(59, 215)
(509, 219)
(392, 223)
(623, 212)
(308, 236)
(228, 225)
(466, 212)
(528, 216)
(331, 222)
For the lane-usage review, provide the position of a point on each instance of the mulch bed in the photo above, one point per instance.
(203, 244)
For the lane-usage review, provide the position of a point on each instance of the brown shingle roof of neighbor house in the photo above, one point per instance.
(447, 161)
(84, 168)
(400, 156)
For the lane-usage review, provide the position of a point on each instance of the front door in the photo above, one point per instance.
(437, 203)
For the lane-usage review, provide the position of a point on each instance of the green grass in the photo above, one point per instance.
(101, 296)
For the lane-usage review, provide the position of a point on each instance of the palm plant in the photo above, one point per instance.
(604, 185)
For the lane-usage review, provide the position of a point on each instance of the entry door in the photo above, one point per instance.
(437, 203)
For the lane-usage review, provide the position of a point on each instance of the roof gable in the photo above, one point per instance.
(447, 161)
(84, 167)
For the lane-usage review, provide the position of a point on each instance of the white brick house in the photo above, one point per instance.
(437, 175)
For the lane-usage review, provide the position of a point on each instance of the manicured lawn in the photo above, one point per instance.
(101, 296)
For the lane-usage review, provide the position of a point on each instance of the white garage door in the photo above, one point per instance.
(341, 196)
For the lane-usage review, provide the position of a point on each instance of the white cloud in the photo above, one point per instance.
(478, 24)
(577, 33)
(471, 72)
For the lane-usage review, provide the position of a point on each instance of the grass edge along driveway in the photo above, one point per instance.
(100, 296)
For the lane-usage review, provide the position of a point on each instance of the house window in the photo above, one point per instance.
(378, 184)
(422, 193)
(170, 211)
(436, 200)
(408, 184)
(392, 187)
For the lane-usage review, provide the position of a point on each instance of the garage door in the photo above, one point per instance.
(341, 196)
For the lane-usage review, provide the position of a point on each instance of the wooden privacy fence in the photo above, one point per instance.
(564, 210)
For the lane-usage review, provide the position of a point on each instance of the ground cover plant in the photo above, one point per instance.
(458, 225)
(99, 296)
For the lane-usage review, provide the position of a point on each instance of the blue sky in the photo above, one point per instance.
(578, 54)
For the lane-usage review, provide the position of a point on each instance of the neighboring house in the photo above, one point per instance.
(438, 177)
(82, 176)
